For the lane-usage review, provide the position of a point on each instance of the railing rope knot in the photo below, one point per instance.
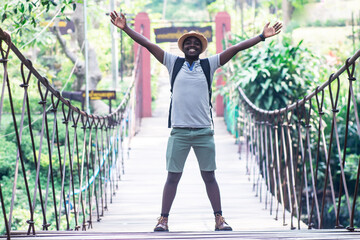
(350, 74)
(66, 115)
(90, 123)
(84, 121)
(319, 104)
(84, 227)
(89, 223)
(352, 79)
(54, 104)
(42, 96)
(46, 226)
(334, 103)
(25, 80)
(307, 114)
(75, 119)
(31, 226)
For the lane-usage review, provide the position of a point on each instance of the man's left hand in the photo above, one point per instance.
(271, 31)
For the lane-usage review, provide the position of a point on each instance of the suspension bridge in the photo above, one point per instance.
(102, 181)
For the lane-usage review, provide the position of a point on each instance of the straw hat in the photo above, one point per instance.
(199, 36)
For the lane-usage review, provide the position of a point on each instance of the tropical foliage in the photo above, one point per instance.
(276, 74)
(24, 16)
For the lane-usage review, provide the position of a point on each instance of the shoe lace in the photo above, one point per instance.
(162, 220)
(220, 219)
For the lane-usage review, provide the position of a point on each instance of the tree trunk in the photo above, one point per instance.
(94, 72)
(287, 10)
(240, 5)
(79, 70)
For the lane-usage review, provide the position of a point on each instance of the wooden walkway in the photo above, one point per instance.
(138, 200)
(136, 206)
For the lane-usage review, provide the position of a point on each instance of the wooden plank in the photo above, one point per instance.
(258, 234)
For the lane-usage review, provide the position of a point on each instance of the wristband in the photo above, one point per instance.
(262, 37)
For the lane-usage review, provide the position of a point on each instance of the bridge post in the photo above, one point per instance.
(222, 22)
(143, 87)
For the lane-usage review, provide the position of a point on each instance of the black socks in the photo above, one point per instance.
(218, 212)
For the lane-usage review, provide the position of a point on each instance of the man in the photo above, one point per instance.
(190, 112)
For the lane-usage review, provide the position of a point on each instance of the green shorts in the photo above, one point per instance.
(180, 142)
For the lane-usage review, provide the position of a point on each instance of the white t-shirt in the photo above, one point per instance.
(190, 98)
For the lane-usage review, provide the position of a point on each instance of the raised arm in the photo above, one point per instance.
(228, 53)
(120, 22)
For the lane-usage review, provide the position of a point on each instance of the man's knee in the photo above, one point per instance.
(173, 178)
(208, 177)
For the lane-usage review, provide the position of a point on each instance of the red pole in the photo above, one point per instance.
(142, 23)
(222, 21)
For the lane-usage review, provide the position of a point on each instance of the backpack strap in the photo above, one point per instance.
(177, 66)
(205, 65)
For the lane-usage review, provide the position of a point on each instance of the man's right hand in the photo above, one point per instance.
(119, 21)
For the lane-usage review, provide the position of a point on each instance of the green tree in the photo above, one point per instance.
(23, 17)
(275, 75)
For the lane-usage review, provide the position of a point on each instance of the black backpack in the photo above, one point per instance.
(205, 65)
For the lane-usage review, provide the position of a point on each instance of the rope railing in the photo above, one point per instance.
(68, 167)
(288, 150)
(296, 162)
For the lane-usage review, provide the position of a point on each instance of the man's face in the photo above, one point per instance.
(192, 47)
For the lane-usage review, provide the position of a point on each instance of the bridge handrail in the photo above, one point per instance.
(279, 154)
(7, 39)
(282, 152)
(105, 166)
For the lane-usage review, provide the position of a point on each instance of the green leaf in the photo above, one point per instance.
(22, 8)
(4, 16)
(74, 6)
(33, 22)
(277, 88)
(285, 87)
(23, 20)
(266, 84)
(268, 103)
(271, 97)
(266, 72)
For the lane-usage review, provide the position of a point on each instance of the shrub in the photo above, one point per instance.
(277, 74)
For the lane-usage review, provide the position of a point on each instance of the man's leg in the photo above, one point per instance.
(213, 192)
(176, 153)
(170, 191)
(167, 200)
(212, 189)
